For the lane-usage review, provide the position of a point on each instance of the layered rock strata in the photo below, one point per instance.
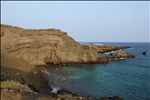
(49, 46)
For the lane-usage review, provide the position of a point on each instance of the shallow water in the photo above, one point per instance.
(127, 78)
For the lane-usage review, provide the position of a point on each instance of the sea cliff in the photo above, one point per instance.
(49, 46)
(22, 50)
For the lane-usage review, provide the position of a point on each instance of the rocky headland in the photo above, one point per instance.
(22, 50)
(50, 46)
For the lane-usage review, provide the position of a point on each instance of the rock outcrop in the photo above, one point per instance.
(145, 53)
(48, 46)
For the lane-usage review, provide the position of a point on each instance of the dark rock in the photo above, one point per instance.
(45, 90)
(111, 98)
(130, 56)
(32, 88)
(110, 55)
(145, 53)
(104, 98)
(63, 91)
(4, 78)
(20, 80)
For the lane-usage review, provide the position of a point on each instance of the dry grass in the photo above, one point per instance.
(10, 84)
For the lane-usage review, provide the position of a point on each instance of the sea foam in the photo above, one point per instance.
(55, 81)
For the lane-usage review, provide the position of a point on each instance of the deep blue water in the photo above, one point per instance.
(127, 78)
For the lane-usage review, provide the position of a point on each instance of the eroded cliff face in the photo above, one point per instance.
(44, 46)
(51, 46)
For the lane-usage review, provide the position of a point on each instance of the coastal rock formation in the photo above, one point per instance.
(145, 53)
(20, 48)
(121, 53)
(44, 46)
(111, 98)
(49, 46)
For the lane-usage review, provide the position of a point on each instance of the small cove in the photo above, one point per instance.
(127, 78)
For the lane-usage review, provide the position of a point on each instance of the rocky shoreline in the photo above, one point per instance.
(23, 50)
(50, 46)
(11, 88)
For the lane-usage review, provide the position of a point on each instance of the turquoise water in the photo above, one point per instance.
(127, 78)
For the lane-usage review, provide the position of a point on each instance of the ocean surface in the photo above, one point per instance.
(126, 78)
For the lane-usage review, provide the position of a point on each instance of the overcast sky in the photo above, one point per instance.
(85, 21)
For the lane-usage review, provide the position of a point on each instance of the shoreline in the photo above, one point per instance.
(36, 71)
(31, 92)
(23, 50)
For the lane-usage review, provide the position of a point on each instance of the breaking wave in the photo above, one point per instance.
(55, 81)
(98, 44)
(110, 52)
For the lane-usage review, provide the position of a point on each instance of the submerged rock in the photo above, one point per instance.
(145, 53)
(111, 98)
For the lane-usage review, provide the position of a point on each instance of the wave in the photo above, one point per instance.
(122, 58)
(97, 44)
(110, 52)
(55, 81)
(131, 48)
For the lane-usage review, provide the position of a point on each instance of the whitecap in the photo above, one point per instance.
(56, 82)
(97, 44)
(108, 53)
(122, 58)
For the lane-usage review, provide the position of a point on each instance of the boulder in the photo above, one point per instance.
(111, 98)
(32, 88)
(145, 53)
(121, 53)
(20, 80)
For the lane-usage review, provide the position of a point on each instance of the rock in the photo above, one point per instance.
(120, 53)
(130, 56)
(4, 78)
(20, 80)
(110, 55)
(63, 91)
(103, 60)
(32, 88)
(50, 46)
(111, 98)
(145, 53)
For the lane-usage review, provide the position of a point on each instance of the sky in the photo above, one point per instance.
(85, 21)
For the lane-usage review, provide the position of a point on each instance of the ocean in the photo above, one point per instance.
(126, 78)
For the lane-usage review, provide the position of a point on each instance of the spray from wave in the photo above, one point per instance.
(112, 52)
(55, 81)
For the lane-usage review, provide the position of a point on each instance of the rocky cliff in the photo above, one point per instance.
(47, 46)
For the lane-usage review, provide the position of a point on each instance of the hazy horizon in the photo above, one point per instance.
(84, 21)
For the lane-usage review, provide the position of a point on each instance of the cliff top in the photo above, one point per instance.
(5, 26)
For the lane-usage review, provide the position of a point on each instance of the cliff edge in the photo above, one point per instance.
(47, 46)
